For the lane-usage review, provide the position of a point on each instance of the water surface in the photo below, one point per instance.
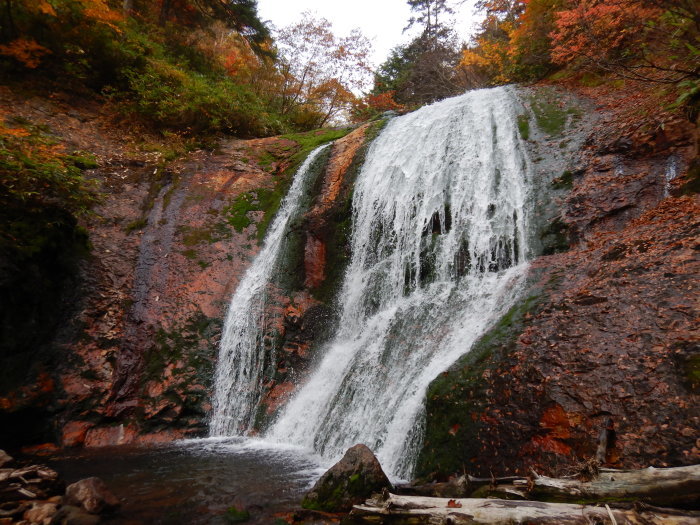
(195, 481)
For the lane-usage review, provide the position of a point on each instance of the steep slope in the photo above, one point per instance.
(600, 358)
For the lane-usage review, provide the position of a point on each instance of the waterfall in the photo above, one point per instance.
(438, 254)
(242, 353)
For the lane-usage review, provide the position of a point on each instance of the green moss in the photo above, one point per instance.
(237, 212)
(691, 371)
(194, 236)
(524, 126)
(194, 342)
(693, 178)
(236, 515)
(550, 117)
(138, 224)
(592, 80)
(83, 160)
(456, 398)
(564, 182)
(555, 237)
(270, 200)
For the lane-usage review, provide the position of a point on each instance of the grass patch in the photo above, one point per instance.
(524, 126)
(551, 118)
(268, 200)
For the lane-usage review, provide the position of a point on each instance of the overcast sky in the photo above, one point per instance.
(382, 21)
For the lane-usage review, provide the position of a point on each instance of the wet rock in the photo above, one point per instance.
(349, 482)
(74, 433)
(71, 515)
(5, 458)
(92, 495)
(110, 436)
(41, 513)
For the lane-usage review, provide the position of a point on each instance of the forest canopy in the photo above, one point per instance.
(189, 65)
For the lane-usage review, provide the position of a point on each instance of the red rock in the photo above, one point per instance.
(44, 449)
(157, 438)
(314, 262)
(278, 395)
(74, 433)
(92, 495)
(110, 436)
(41, 513)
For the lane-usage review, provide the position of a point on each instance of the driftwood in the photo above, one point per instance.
(400, 510)
(28, 483)
(678, 486)
(665, 487)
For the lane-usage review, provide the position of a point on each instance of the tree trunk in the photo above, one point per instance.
(164, 12)
(412, 510)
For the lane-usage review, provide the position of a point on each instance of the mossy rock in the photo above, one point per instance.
(349, 482)
(236, 515)
(457, 397)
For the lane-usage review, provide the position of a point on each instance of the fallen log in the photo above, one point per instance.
(678, 486)
(411, 510)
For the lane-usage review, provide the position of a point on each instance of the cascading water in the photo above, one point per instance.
(242, 354)
(438, 250)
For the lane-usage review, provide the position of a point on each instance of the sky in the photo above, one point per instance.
(382, 21)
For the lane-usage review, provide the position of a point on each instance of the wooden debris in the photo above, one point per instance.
(663, 486)
(399, 510)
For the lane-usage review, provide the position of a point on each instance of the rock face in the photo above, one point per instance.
(92, 495)
(349, 482)
(133, 355)
(5, 458)
(600, 357)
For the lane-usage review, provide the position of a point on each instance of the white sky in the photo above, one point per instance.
(382, 21)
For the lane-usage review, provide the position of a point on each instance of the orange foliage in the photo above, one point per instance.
(26, 51)
(384, 102)
(100, 12)
(42, 6)
(596, 28)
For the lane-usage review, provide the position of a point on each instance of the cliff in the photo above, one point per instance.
(599, 359)
(602, 349)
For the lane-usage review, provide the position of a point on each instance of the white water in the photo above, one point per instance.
(243, 358)
(438, 251)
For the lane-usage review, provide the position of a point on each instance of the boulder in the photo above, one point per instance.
(71, 515)
(349, 482)
(41, 513)
(5, 458)
(92, 495)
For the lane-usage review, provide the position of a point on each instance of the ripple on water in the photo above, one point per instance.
(195, 481)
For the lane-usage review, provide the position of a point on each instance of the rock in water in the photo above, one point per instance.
(92, 495)
(349, 482)
(5, 458)
(70, 515)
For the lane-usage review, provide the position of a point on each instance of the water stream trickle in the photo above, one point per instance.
(243, 358)
(439, 244)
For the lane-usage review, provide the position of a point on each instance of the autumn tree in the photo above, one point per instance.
(321, 72)
(648, 40)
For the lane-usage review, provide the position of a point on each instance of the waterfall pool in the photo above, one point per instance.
(196, 481)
